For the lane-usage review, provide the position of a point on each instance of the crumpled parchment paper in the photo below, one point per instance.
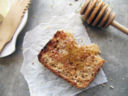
(41, 81)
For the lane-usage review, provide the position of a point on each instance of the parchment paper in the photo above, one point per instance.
(41, 81)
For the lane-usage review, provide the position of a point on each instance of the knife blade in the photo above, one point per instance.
(12, 21)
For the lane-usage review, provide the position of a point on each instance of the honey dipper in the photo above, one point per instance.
(97, 13)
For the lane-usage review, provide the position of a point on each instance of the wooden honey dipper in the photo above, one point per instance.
(96, 13)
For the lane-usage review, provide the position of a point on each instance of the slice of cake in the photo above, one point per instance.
(77, 64)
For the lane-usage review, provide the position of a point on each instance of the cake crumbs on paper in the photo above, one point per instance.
(110, 78)
(70, 4)
(111, 86)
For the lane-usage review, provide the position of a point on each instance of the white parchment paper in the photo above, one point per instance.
(41, 81)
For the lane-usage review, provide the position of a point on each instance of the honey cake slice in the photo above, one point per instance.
(77, 64)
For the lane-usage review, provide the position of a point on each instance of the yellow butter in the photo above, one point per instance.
(4, 8)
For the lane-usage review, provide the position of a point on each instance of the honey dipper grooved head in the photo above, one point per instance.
(96, 13)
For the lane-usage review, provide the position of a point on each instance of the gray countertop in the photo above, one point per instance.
(113, 45)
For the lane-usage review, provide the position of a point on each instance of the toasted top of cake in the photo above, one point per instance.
(77, 64)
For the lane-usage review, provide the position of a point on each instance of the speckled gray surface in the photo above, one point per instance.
(112, 42)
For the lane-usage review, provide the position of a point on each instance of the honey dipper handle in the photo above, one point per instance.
(119, 26)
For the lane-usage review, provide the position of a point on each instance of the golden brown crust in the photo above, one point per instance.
(51, 45)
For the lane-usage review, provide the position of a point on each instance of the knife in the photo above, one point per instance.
(12, 21)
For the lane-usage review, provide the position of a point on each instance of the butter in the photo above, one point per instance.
(4, 8)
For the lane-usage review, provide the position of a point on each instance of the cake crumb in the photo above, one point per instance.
(110, 78)
(112, 87)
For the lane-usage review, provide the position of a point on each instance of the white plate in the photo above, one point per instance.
(11, 46)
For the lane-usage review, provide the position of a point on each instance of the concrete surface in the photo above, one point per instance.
(113, 45)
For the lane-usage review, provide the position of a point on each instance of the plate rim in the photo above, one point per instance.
(17, 32)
